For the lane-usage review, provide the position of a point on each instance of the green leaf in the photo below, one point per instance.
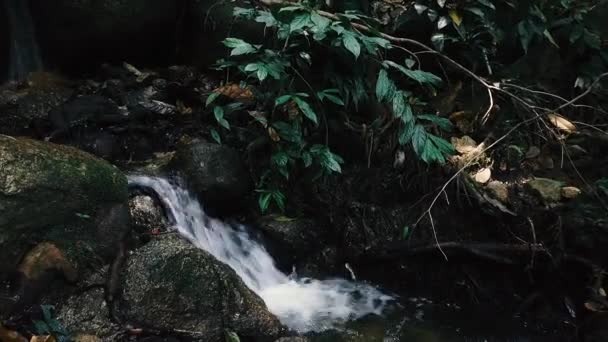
(279, 199)
(307, 159)
(224, 123)
(408, 115)
(280, 158)
(321, 22)
(443, 123)
(351, 44)
(477, 11)
(262, 73)
(420, 76)
(550, 38)
(299, 22)
(239, 46)
(41, 328)
(216, 136)
(264, 201)
(419, 138)
(218, 112)
(306, 109)
(487, 3)
(212, 97)
(592, 40)
(252, 67)
(335, 99)
(383, 85)
(267, 18)
(405, 136)
(406, 232)
(281, 100)
(398, 104)
(46, 312)
(247, 13)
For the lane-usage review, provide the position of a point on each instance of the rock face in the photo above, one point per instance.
(88, 314)
(85, 33)
(291, 239)
(146, 214)
(215, 173)
(172, 285)
(58, 194)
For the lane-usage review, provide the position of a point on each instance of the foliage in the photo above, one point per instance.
(50, 326)
(295, 105)
(488, 33)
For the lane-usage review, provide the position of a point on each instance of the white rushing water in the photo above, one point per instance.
(301, 304)
(24, 52)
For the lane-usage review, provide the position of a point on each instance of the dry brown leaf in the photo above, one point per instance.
(235, 92)
(10, 336)
(570, 192)
(561, 123)
(594, 307)
(182, 108)
(274, 136)
(483, 175)
(464, 144)
(46, 338)
(46, 256)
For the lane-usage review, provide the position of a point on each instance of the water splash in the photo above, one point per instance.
(24, 52)
(301, 304)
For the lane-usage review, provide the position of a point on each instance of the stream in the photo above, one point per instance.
(326, 309)
(302, 304)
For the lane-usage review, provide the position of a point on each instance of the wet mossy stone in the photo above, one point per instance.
(172, 285)
(56, 193)
(215, 173)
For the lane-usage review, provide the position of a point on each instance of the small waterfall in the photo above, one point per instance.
(301, 304)
(24, 52)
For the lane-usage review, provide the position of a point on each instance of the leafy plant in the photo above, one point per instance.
(294, 105)
(50, 326)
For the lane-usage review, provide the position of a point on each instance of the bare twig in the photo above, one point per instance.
(583, 94)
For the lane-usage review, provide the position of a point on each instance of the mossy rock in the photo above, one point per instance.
(60, 194)
(171, 285)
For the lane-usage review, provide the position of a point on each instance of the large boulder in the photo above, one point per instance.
(60, 196)
(85, 33)
(215, 173)
(171, 285)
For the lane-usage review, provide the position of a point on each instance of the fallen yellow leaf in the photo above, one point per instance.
(561, 123)
(456, 18)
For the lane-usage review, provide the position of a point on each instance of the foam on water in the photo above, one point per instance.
(302, 304)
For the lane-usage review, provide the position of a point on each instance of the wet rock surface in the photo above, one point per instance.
(215, 173)
(147, 215)
(88, 314)
(172, 285)
(50, 192)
